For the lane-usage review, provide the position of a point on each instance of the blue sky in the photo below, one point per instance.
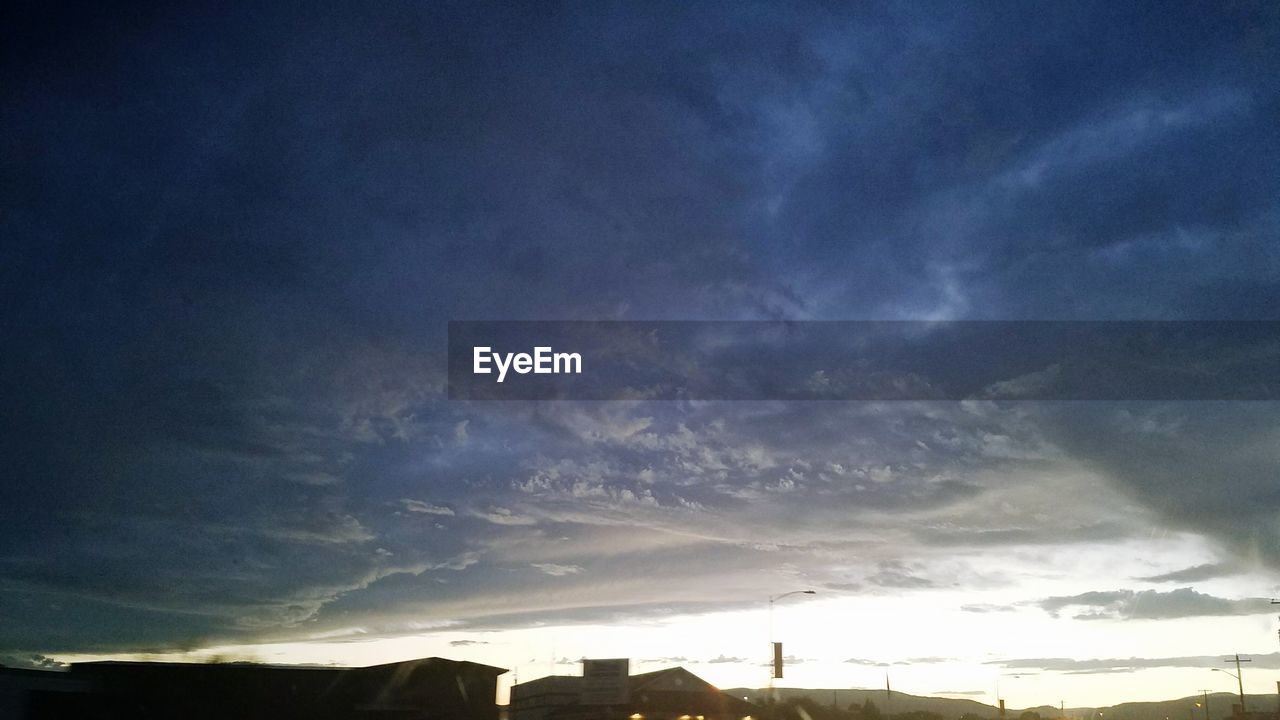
(235, 234)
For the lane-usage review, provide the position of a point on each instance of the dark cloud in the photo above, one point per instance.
(30, 662)
(1204, 467)
(234, 236)
(1152, 605)
(897, 574)
(1198, 573)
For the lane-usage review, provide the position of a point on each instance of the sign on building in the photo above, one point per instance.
(604, 682)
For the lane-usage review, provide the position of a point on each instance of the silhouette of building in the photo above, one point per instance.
(1237, 713)
(425, 689)
(671, 694)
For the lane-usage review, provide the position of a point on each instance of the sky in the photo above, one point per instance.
(234, 235)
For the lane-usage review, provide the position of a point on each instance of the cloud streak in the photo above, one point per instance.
(1152, 605)
(1268, 661)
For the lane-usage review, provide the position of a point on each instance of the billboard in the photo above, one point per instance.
(604, 682)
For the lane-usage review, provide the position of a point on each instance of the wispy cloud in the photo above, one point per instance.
(1198, 573)
(556, 569)
(1152, 605)
(867, 663)
(420, 506)
(504, 516)
(987, 608)
(721, 659)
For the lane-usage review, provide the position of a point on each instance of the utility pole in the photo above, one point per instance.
(1240, 678)
(1206, 704)
(1277, 602)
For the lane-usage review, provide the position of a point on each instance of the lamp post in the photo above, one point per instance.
(1277, 602)
(773, 653)
(1238, 676)
(999, 698)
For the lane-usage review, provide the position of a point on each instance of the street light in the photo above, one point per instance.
(776, 598)
(773, 654)
(1238, 680)
(999, 698)
(1277, 602)
(1237, 677)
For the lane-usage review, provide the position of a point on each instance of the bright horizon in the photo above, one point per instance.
(696, 643)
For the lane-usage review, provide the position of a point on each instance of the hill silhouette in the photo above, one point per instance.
(953, 708)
